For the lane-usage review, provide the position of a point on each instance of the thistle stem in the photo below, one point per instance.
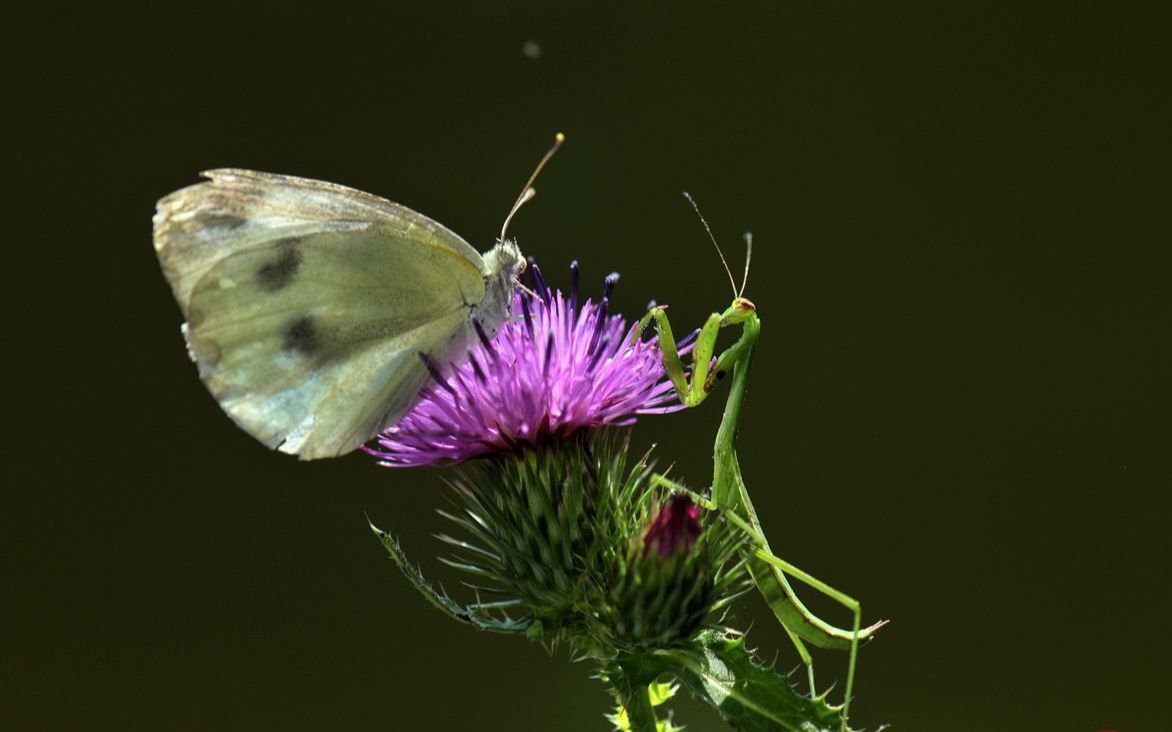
(635, 699)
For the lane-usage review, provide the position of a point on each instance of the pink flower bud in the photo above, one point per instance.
(675, 528)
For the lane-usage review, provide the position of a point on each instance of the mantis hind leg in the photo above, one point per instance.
(807, 659)
(799, 623)
(658, 480)
(843, 599)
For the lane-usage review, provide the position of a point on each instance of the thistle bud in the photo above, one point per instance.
(666, 583)
(675, 528)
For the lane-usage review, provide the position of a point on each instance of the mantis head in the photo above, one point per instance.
(741, 310)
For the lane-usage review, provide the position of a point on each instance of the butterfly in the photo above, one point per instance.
(315, 313)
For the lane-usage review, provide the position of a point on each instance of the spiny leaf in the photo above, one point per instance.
(660, 693)
(474, 616)
(719, 670)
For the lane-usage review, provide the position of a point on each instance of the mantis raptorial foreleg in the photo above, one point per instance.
(705, 374)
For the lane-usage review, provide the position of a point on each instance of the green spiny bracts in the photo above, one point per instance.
(533, 517)
(568, 532)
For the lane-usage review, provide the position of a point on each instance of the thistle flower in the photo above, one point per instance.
(563, 533)
(553, 371)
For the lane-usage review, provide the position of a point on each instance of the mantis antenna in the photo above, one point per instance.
(712, 238)
(528, 192)
(748, 258)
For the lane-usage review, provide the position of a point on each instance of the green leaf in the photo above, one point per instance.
(718, 669)
(478, 615)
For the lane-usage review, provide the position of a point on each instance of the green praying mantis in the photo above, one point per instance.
(728, 493)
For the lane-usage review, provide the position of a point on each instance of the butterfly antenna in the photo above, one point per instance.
(748, 258)
(713, 240)
(528, 192)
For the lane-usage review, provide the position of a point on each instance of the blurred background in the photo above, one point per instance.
(958, 413)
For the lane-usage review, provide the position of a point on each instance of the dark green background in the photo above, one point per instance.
(959, 411)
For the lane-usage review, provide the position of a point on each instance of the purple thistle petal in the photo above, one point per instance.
(554, 371)
(528, 317)
(574, 287)
(684, 345)
(608, 284)
(539, 285)
(436, 375)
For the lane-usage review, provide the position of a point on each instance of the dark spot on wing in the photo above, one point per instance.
(282, 269)
(302, 337)
(216, 220)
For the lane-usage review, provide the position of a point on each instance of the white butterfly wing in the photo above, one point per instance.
(309, 304)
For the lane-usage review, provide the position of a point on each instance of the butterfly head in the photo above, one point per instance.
(505, 260)
(505, 265)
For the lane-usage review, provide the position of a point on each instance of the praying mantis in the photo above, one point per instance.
(728, 493)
